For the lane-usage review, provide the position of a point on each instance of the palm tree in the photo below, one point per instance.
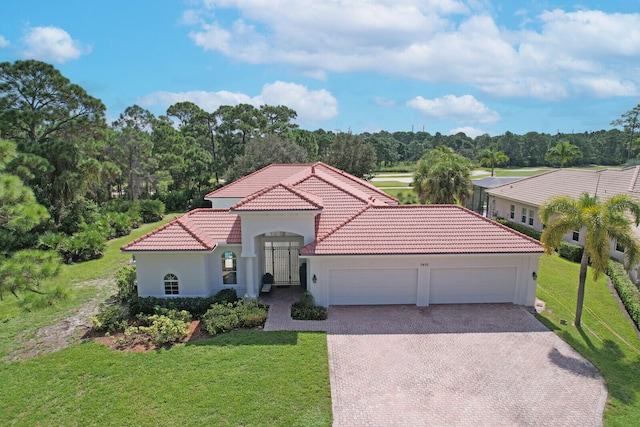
(602, 222)
(442, 177)
(492, 158)
(562, 152)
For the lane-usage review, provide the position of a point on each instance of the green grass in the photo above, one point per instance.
(384, 184)
(607, 338)
(250, 378)
(80, 280)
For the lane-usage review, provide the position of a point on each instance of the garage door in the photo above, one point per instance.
(469, 285)
(372, 286)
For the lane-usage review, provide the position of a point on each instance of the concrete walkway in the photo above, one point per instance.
(450, 365)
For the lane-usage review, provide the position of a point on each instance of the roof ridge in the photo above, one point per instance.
(328, 179)
(304, 195)
(632, 184)
(193, 234)
(153, 232)
(355, 179)
(339, 226)
(272, 165)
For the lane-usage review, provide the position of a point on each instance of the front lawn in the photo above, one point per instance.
(249, 378)
(607, 338)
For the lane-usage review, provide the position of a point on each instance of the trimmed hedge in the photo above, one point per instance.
(306, 309)
(196, 306)
(520, 228)
(627, 291)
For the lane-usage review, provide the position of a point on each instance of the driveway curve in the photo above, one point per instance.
(456, 365)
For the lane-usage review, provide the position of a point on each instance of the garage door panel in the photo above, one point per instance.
(373, 286)
(472, 285)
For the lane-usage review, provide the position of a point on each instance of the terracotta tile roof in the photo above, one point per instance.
(280, 197)
(198, 230)
(339, 205)
(423, 229)
(293, 173)
(604, 183)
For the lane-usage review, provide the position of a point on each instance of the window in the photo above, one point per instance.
(576, 236)
(512, 212)
(524, 215)
(171, 284)
(229, 276)
(619, 247)
(530, 217)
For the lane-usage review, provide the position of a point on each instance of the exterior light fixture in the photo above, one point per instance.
(534, 275)
(314, 279)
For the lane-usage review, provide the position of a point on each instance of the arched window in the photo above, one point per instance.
(171, 284)
(229, 276)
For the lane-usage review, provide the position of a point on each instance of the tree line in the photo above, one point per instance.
(78, 171)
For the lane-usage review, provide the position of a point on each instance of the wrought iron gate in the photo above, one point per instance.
(281, 260)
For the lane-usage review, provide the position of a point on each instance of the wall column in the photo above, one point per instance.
(250, 275)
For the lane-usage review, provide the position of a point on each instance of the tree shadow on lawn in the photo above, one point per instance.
(622, 374)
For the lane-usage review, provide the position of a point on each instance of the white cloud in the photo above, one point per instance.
(451, 107)
(51, 44)
(471, 132)
(312, 106)
(384, 102)
(4, 42)
(548, 56)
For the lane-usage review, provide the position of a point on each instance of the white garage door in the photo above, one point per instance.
(469, 285)
(373, 286)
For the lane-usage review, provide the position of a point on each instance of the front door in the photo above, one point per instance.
(281, 261)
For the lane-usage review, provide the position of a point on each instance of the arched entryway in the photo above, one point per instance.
(280, 257)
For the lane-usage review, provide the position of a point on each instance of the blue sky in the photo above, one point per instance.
(477, 66)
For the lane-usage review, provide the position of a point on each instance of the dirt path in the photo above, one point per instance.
(67, 331)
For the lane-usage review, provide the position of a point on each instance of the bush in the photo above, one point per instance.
(196, 306)
(125, 279)
(225, 317)
(110, 318)
(82, 246)
(225, 296)
(163, 327)
(627, 291)
(121, 223)
(571, 252)
(520, 228)
(78, 213)
(50, 241)
(151, 210)
(306, 309)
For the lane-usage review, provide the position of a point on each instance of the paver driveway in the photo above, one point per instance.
(476, 365)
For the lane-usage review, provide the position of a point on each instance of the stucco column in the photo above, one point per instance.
(250, 275)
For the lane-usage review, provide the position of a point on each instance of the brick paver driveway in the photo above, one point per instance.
(475, 365)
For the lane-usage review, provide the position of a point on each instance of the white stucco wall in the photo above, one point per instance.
(524, 264)
(199, 273)
(257, 223)
(223, 202)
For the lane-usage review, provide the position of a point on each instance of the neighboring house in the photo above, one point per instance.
(479, 200)
(340, 237)
(519, 201)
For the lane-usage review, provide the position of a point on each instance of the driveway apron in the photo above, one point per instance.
(456, 365)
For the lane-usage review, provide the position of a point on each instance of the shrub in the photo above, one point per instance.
(196, 306)
(151, 210)
(571, 252)
(521, 228)
(125, 279)
(221, 318)
(121, 223)
(627, 291)
(82, 246)
(306, 309)
(225, 296)
(163, 327)
(244, 313)
(110, 318)
(50, 240)
(78, 213)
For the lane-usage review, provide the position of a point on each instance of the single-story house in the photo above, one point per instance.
(347, 242)
(479, 200)
(519, 201)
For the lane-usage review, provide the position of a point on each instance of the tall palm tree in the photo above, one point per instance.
(492, 158)
(562, 152)
(601, 221)
(442, 177)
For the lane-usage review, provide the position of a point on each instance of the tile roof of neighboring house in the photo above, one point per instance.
(198, 230)
(280, 197)
(604, 183)
(423, 229)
